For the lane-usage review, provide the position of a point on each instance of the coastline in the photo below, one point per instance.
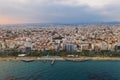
(60, 59)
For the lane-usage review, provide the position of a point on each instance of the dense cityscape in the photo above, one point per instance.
(68, 38)
(59, 39)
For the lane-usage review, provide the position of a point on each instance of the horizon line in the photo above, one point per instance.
(111, 22)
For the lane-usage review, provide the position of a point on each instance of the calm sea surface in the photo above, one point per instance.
(60, 70)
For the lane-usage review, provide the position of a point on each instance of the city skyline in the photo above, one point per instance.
(58, 11)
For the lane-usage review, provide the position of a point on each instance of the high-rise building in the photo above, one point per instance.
(70, 47)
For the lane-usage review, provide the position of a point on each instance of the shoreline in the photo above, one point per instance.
(60, 59)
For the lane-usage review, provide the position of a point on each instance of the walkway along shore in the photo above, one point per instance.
(59, 59)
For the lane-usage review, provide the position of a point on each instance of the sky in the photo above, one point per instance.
(58, 11)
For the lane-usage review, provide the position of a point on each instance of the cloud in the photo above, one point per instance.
(90, 3)
(60, 11)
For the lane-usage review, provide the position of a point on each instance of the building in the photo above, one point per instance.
(86, 46)
(70, 47)
(117, 48)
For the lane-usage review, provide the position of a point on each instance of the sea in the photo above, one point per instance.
(60, 70)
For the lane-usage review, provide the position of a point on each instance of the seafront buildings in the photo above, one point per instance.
(60, 37)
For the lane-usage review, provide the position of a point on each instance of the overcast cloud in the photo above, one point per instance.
(59, 11)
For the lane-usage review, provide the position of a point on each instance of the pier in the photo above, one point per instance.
(52, 62)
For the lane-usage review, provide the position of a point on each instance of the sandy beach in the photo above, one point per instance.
(61, 58)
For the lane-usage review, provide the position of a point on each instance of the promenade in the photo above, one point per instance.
(59, 59)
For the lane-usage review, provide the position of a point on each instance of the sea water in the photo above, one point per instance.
(60, 70)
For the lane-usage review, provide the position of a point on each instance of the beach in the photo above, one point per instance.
(59, 59)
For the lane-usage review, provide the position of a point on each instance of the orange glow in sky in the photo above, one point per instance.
(10, 20)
